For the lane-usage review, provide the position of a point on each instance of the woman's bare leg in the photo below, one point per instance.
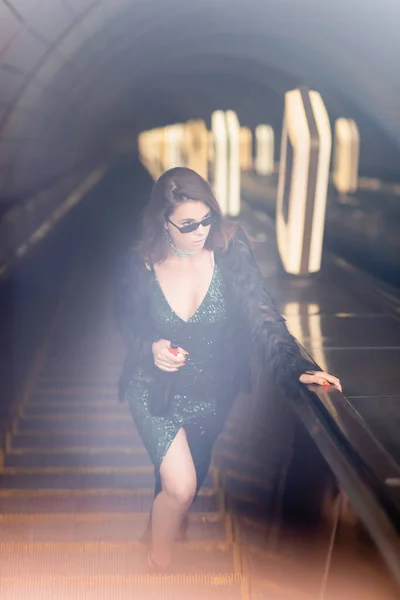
(178, 476)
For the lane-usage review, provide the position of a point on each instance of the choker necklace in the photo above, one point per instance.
(175, 250)
(181, 253)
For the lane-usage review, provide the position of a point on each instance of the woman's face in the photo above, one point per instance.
(185, 214)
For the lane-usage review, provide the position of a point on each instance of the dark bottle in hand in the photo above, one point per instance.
(162, 389)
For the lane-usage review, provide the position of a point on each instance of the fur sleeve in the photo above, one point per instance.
(131, 304)
(280, 352)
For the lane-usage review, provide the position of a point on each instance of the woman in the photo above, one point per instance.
(192, 278)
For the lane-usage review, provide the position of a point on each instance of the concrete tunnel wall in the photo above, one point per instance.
(77, 75)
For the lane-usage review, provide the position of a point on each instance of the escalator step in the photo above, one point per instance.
(99, 437)
(74, 409)
(76, 425)
(70, 419)
(246, 506)
(53, 371)
(91, 387)
(237, 484)
(295, 577)
(71, 389)
(100, 458)
(71, 380)
(62, 439)
(61, 353)
(75, 379)
(255, 532)
(73, 394)
(139, 587)
(102, 527)
(121, 559)
(249, 465)
(113, 477)
(58, 363)
(32, 501)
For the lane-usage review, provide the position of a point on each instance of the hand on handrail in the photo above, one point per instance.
(321, 378)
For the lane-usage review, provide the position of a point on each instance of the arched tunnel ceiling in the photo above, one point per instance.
(75, 74)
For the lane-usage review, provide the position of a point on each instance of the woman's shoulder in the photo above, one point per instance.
(131, 264)
(240, 241)
(239, 254)
(241, 236)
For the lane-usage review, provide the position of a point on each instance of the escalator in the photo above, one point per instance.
(76, 485)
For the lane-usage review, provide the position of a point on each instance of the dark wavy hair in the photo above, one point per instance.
(174, 187)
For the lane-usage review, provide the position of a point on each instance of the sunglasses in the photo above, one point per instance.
(193, 226)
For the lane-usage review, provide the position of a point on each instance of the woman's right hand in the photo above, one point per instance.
(165, 360)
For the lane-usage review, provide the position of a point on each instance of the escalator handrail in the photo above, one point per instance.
(361, 493)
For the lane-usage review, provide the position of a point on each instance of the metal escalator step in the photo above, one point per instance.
(102, 527)
(75, 478)
(62, 359)
(62, 354)
(74, 409)
(52, 371)
(73, 394)
(238, 428)
(66, 346)
(56, 363)
(75, 425)
(246, 466)
(62, 439)
(69, 420)
(262, 509)
(137, 587)
(98, 373)
(273, 591)
(92, 387)
(236, 483)
(88, 559)
(71, 379)
(296, 578)
(124, 500)
(72, 333)
(255, 532)
(102, 420)
(68, 380)
(232, 441)
(82, 457)
(91, 382)
(233, 455)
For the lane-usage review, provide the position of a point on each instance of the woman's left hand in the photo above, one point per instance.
(321, 378)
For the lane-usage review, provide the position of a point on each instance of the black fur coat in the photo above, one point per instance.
(256, 326)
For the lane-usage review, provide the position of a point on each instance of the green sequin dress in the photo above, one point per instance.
(197, 405)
